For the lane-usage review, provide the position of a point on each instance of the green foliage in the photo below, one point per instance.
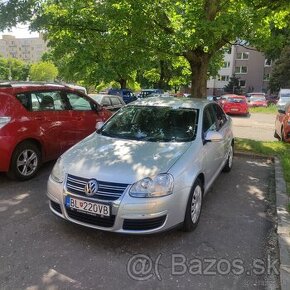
(280, 77)
(43, 71)
(97, 41)
(233, 86)
(13, 69)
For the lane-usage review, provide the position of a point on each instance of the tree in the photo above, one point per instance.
(43, 71)
(13, 69)
(280, 77)
(113, 37)
(233, 86)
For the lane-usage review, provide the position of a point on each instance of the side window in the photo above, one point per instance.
(221, 117)
(25, 100)
(47, 101)
(78, 103)
(115, 101)
(106, 102)
(208, 121)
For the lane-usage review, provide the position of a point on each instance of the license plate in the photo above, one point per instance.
(234, 110)
(89, 207)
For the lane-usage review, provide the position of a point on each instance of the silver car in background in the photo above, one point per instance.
(146, 169)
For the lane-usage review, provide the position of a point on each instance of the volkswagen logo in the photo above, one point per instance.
(91, 187)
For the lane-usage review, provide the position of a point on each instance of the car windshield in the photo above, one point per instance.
(236, 100)
(153, 123)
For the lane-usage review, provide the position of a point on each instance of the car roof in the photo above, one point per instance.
(103, 95)
(18, 87)
(172, 102)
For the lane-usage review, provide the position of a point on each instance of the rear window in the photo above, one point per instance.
(236, 100)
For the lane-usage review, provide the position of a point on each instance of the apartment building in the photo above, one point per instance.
(248, 65)
(27, 49)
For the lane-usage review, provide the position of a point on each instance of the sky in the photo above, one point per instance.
(21, 31)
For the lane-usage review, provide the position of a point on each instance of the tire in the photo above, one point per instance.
(276, 135)
(25, 161)
(282, 135)
(229, 164)
(193, 207)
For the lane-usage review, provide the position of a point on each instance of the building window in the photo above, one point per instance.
(224, 78)
(241, 69)
(266, 77)
(242, 83)
(242, 55)
(226, 64)
(268, 62)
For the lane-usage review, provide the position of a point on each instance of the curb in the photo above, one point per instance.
(253, 155)
(283, 230)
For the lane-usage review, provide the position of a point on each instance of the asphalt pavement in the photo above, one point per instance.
(256, 126)
(232, 248)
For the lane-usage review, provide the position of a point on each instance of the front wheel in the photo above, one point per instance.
(25, 161)
(193, 208)
(229, 163)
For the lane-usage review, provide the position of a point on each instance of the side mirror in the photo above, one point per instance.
(99, 126)
(281, 111)
(213, 136)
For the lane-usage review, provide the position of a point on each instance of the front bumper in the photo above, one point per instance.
(128, 215)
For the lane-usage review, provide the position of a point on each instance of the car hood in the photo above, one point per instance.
(120, 160)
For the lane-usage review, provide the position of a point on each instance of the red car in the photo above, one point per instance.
(257, 100)
(235, 105)
(282, 124)
(39, 122)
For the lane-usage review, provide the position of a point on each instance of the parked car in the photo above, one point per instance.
(236, 105)
(257, 100)
(126, 94)
(39, 122)
(110, 102)
(223, 98)
(282, 124)
(272, 99)
(149, 93)
(284, 98)
(146, 169)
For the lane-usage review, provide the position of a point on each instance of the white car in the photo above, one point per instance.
(146, 169)
(284, 98)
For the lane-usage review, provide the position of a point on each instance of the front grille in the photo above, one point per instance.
(143, 224)
(105, 222)
(107, 190)
(55, 206)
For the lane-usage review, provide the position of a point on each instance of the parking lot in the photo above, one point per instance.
(233, 239)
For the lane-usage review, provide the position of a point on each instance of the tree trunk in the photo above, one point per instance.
(199, 62)
(123, 83)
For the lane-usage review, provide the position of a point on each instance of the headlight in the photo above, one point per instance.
(160, 185)
(57, 173)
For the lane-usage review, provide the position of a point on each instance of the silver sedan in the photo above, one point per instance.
(146, 169)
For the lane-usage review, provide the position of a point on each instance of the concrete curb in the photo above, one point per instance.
(253, 155)
(283, 229)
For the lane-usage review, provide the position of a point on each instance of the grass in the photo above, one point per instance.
(272, 109)
(279, 149)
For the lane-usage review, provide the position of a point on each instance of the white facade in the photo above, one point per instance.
(26, 49)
